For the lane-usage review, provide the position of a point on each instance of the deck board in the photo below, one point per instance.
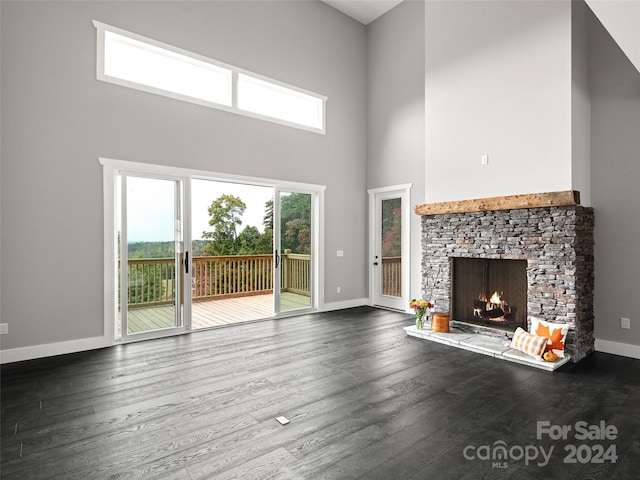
(215, 313)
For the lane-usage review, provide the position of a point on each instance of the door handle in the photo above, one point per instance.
(375, 263)
(277, 259)
(186, 262)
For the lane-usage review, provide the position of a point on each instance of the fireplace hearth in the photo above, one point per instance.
(553, 244)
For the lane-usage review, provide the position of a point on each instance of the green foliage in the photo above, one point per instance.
(151, 250)
(226, 215)
(297, 236)
(163, 249)
(252, 242)
(391, 227)
(146, 283)
(197, 247)
(295, 216)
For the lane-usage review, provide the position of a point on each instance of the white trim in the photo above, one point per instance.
(51, 349)
(110, 281)
(149, 168)
(234, 77)
(404, 186)
(319, 232)
(618, 348)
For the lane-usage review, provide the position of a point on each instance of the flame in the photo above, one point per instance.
(495, 299)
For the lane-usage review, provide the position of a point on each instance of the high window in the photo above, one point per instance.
(133, 61)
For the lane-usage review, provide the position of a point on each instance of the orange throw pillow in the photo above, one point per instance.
(556, 334)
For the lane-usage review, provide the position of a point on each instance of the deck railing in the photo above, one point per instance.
(151, 281)
(296, 273)
(391, 276)
(232, 276)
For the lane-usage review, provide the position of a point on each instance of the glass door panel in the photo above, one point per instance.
(232, 245)
(391, 247)
(293, 240)
(151, 256)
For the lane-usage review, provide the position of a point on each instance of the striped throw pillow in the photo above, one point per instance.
(530, 344)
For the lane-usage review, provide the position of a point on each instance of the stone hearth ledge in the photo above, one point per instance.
(484, 344)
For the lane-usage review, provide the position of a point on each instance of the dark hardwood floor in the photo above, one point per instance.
(364, 400)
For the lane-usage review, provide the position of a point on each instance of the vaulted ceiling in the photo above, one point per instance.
(365, 11)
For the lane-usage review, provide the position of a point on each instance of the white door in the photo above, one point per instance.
(389, 247)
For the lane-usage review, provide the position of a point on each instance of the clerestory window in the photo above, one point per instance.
(130, 60)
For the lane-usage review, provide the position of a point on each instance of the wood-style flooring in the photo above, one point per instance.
(365, 401)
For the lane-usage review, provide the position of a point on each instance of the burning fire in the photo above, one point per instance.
(495, 309)
(495, 299)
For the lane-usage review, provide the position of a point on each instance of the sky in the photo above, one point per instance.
(150, 207)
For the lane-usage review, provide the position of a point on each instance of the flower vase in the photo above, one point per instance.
(419, 321)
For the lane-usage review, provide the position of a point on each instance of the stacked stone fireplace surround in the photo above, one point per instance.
(556, 242)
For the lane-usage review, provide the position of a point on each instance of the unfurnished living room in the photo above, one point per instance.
(319, 239)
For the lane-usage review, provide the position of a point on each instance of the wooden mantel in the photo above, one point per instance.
(510, 202)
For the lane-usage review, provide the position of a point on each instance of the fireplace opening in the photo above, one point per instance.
(489, 292)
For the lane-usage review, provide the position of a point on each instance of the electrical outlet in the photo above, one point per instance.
(625, 323)
(4, 328)
(484, 160)
(338, 290)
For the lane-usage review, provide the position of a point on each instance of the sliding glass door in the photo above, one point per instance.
(153, 264)
(293, 255)
(185, 251)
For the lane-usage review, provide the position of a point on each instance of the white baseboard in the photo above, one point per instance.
(618, 348)
(51, 349)
(358, 302)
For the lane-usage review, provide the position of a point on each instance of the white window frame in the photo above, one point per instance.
(235, 72)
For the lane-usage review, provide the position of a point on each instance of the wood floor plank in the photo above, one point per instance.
(365, 401)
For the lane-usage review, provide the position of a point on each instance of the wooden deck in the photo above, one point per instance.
(215, 313)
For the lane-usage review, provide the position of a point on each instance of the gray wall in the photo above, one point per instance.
(57, 119)
(498, 82)
(615, 151)
(580, 103)
(395, 144)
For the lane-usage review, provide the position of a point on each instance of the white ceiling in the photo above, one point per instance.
(365, 11)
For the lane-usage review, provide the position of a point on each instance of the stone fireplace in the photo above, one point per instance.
(555, 244)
